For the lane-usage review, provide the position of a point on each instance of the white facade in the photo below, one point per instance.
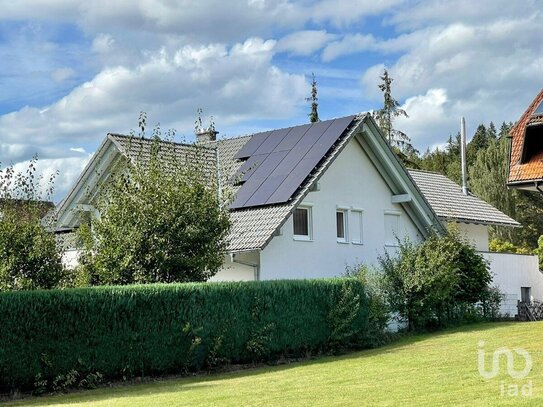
(511, 272)
(477, 235)
(353, 185)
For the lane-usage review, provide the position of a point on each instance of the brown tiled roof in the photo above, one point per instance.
(533, 169)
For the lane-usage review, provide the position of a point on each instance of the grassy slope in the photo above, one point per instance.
(424, 370)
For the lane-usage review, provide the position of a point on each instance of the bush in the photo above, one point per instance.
(431, 283)
(57, 338)
(29, 255)
(161, 218)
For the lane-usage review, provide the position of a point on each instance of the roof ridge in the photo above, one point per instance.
(177, 143)
(426, 171)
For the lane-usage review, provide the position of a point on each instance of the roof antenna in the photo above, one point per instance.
(463, 155)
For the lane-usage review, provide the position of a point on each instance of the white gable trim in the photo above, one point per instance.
(95, 172)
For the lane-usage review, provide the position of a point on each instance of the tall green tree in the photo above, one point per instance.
(488, 176)
(161, 220)
(314, 114)
(479, 142)
(391, 110)
(397, 139)
(29, 255)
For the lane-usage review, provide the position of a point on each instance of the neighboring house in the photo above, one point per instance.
(309, 200)
(526, 159)
(517, 276)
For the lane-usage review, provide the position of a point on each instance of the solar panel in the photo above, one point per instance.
(272, 141)
(538, 110)
(251, 146)
(292, 181)
(279, 161)
(248, 167)
(265, 190)
(294, 136)
(246, 191)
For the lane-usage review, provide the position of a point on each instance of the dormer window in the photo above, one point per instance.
(533, 142)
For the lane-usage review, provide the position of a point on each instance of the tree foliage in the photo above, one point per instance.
(29, 255)
(425, 282)
(314, 114)
(161, 220)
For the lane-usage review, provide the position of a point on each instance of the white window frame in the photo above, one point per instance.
(398, 215)
(345, 211)
(360, 226)
(309, 237)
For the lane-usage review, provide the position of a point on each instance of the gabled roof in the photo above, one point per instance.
(254, 226)
(532, 170)
(450, 204)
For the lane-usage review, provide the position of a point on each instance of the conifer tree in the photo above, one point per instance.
(386, 115)
(314, 115)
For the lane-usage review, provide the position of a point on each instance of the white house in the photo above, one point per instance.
(313, 199)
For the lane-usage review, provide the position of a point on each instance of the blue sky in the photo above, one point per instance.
(74, 70)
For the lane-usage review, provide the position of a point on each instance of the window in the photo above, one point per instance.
(526, 294)
(341, 225)
(392, 228)
(302, 223)
(356, 231)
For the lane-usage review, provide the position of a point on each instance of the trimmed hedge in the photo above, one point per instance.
(75, 335)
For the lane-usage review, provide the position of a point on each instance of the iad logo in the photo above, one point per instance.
(513, 389)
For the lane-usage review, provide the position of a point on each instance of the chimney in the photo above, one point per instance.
(204, 136)
(463, 156)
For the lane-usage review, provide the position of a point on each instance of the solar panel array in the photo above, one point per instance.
(278, 161)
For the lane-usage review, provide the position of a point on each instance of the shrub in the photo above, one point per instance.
(161, 218)
(29, 255)
(80, 336)
(430, 283)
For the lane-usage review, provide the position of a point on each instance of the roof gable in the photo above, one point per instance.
(526, 159)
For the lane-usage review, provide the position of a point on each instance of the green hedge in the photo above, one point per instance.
(68, 336)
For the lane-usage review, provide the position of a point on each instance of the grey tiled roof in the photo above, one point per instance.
(252, 228)
(449, 203)
(139, 149)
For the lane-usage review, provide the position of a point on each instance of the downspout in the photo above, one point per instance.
(255, 266)
(538, 187)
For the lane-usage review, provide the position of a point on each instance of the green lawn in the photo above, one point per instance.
(424, 370)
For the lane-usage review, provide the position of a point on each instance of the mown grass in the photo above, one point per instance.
(437, 369)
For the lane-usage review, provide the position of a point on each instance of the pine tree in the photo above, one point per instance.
(314, 115)
(505, 128)
(386, 115)
(479, 142)
(491, 132)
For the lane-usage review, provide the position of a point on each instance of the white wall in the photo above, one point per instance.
(352, 182)
(235, 271)
(476, 234)
(512, 271)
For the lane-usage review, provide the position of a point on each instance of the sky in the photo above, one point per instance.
(72, 71)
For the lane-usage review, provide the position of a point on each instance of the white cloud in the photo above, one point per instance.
(63, 170)
(61, 74)
(233, 84)
(345, 12)
(78, 150)
(349, 44)
(428, 115)
(304, 42)
(489, 69)
(102, 43)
